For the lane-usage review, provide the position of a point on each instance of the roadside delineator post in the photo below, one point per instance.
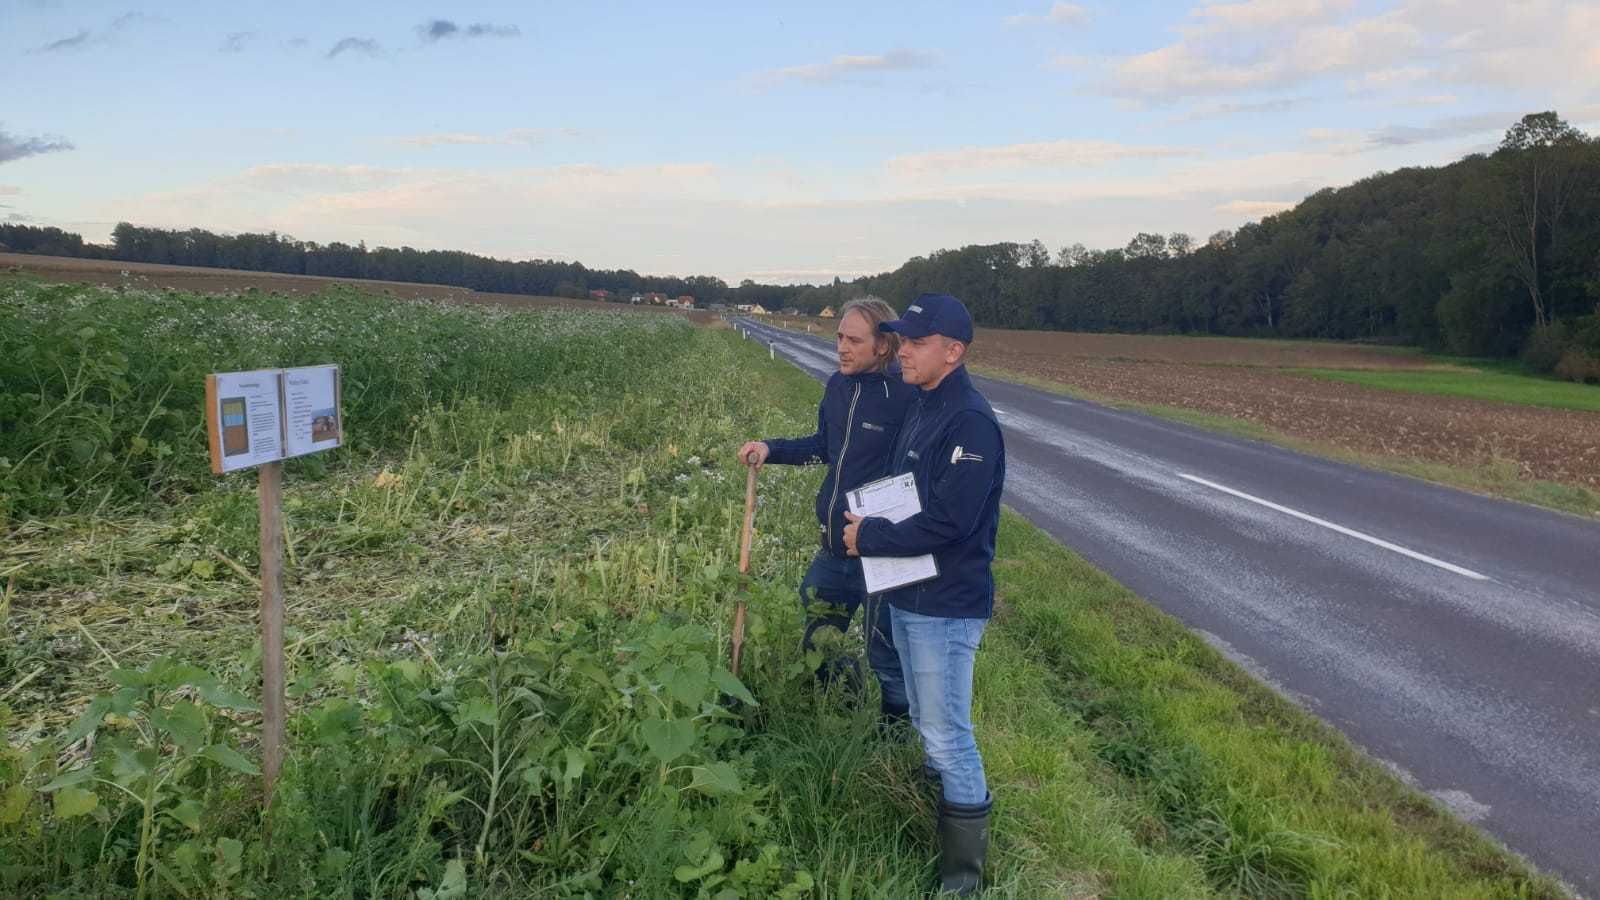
(257, 420)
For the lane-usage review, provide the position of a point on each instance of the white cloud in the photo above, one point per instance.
(1051, 154)
(844, 65)
(1216, 110)
(1273, 44)
(505, 138)
(1059, 14)
(1493, 124)
(1388, 78)
(1202, 64)
(305, 177)
(1270, 13)
(1428, 100)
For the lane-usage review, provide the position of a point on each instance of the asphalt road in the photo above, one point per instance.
(1455, 637)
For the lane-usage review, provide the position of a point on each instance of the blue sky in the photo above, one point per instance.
(746, 140)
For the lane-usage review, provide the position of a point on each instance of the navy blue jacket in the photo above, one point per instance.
(857, 423)
(951, 441)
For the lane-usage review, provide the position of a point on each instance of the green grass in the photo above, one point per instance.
(1262, 797)
(1500, 385)
(500, 628)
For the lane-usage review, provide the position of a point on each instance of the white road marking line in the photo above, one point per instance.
(1348, 532)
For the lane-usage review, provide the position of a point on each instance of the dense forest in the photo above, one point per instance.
(1493, 255)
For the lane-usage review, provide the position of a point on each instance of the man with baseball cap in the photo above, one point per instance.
(951, 443)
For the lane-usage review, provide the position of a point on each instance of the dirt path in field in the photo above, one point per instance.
(1547, 444)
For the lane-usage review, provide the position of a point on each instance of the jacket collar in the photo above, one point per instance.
(953, 385)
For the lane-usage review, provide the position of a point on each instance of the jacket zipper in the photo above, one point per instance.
(838, 466)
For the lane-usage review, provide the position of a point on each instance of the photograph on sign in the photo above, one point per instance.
(244, 419)
(311, 409)
(235, 430)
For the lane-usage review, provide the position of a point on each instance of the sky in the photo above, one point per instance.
(749, 140)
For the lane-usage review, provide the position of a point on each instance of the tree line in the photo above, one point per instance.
(1492, 255)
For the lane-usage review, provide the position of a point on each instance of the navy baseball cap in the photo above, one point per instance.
(933, 314)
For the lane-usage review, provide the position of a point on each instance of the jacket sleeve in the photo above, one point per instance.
(967, 463)
(812, 448)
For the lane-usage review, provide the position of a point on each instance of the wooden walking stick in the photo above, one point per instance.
(744, 564)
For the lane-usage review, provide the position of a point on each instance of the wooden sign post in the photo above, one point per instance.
(258, 419)
(270, 493)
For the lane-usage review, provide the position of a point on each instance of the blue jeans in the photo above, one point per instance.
(839, 583)
(937, 655)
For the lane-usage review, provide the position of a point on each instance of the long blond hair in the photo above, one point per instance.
(874, 311)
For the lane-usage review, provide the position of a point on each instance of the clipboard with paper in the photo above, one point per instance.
(893, 498)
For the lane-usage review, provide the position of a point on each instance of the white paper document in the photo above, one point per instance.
(893, 498)
(247, 409)
(311, 402)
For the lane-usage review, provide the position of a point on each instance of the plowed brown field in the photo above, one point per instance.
(1545, 444)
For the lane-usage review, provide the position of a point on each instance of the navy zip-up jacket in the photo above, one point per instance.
(951, 442)
(857, 423)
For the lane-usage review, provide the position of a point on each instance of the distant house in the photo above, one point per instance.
(685, 301)
(827, 313)
(757, 309)
(637, 298)
(655, 298)
(744, 307)
(600, 295)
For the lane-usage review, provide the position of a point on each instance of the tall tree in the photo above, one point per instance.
(1537, 161)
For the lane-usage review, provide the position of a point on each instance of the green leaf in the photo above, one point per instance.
(68, 779)
(186, 723)
(533, 777)
(188, 813)
(231, 854)
(686, 685)
(231, 758)
(203, 568)
(730, 684)
(575, 765)
(188, 856)
(478, 709)
(135, 678)
(667, 739)
(454, 885)
(13, 803)
(88, 722)
(717, 778)
(131, 763)
(224, 697)
(712, 863)
(75, 802)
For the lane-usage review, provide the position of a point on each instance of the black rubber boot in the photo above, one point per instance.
(963, 844)
(894, 721)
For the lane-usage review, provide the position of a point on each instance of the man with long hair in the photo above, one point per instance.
(858, 420)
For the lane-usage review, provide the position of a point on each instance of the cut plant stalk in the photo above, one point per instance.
(744, 565)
